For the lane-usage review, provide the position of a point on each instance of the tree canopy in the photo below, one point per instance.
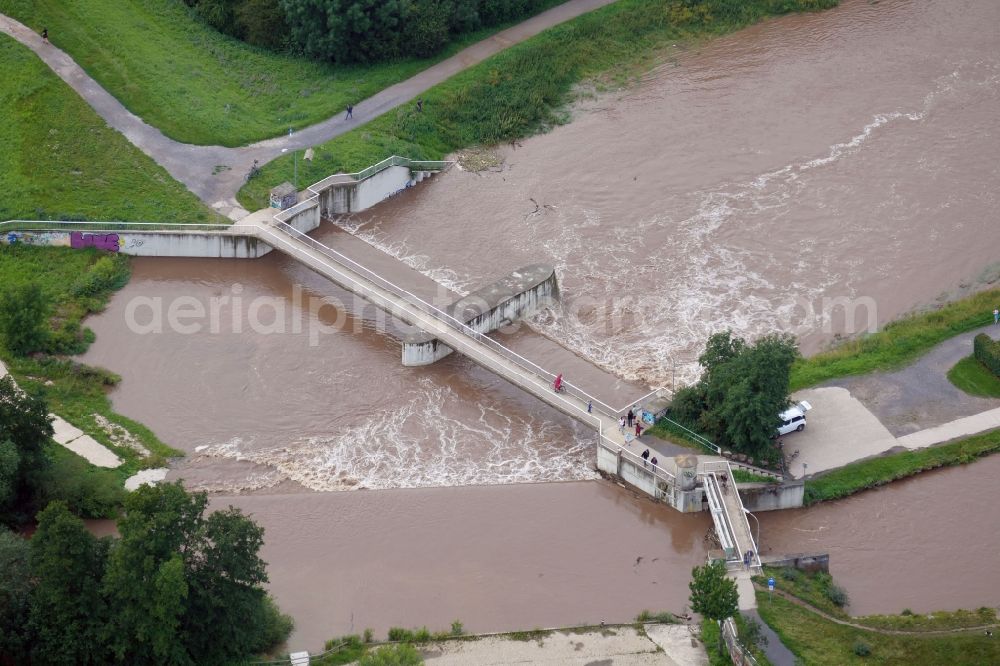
(24, 318)
(713, 594)
(742, 391)
(25, 427)
(177, 587)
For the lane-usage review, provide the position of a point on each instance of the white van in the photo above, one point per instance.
(794, 418)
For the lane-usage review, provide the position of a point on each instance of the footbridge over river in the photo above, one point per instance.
(684, 483)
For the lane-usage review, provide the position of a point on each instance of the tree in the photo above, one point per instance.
(187, 588)
(10, 463)
(25, 423)
(742, 390)
(68, 612)
(15, 594)
(713, 594)
(24, 318)
(142, 582)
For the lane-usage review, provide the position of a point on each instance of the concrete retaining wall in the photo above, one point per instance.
(304, 216)
(487, 309)
(803, 561)
(352, 196)
(150, 244)
(771, 497)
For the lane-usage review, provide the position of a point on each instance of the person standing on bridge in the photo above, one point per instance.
(590, 406)
(557, 384)
(630, 417)
(645, 457)
(638, 429)
(654, 462)
(621, 425)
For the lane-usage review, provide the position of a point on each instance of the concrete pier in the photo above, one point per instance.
(521, 293)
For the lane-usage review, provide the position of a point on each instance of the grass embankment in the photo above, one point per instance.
(61, 161)
(899, 343)
(673, 433)
(77, 283)
(875, 472)
(525, 88)
(197, 85)
(974, 378)
(817, 640)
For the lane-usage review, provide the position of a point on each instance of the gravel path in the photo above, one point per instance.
(195, 166)
(920, 396)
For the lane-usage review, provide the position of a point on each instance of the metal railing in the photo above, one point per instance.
(736, 649)
(395, 160)
(656, 471)
(708, 444)
(450, 321)
(708, 472)
(59, 225)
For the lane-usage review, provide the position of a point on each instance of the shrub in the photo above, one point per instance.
(392, 655)
(987, 351)
(791, 573)
(89, 492)
(861, 648)
(457, 629)
(837, 595)
(23, 313)
(368, 637)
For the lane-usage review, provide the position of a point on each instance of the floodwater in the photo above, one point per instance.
(789, 175)
(493, 557)
(927, 543)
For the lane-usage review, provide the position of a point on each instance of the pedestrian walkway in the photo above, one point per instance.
(76, 441)
(196, 166)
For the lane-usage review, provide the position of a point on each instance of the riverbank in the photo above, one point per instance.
(899, 342)
(199, 86)
(524, 89)
(61, 161)
(76, 284)
(826, 635)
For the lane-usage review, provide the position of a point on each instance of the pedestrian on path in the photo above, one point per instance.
(630, 417)
(645, 457)
(350, 111)
(621, 425)
(746, 560)
(590, 406)
(638, 429)
(996, 316)
(420, 105)
(654, 461)
(45, 35)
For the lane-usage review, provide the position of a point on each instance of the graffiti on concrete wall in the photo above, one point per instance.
(109, 242)
(50, 238)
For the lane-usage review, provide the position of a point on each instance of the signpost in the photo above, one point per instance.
(770, 588)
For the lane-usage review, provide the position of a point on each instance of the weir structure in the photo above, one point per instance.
(689, 483)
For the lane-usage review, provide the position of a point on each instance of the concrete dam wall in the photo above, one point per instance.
(485, 310)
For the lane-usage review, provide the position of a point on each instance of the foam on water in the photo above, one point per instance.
(422, 443)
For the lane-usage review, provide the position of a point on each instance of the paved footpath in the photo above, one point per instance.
(76, 441)
(195, 166)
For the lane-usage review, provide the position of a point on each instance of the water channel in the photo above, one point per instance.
(765, 179)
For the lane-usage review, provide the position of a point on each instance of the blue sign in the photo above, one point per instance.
(770, 584)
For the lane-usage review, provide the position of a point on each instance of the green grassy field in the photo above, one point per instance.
(61, 161)
(974, 378)
(875, 472)
(899, 343)
(525, 88)
(819, 642)
(197, 85)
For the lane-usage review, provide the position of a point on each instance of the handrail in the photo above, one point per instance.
(707, 443)
(663, 474)
(447, 319)
(391, 161)
(60, 225)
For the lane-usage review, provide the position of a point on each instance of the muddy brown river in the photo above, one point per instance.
(790, 175)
